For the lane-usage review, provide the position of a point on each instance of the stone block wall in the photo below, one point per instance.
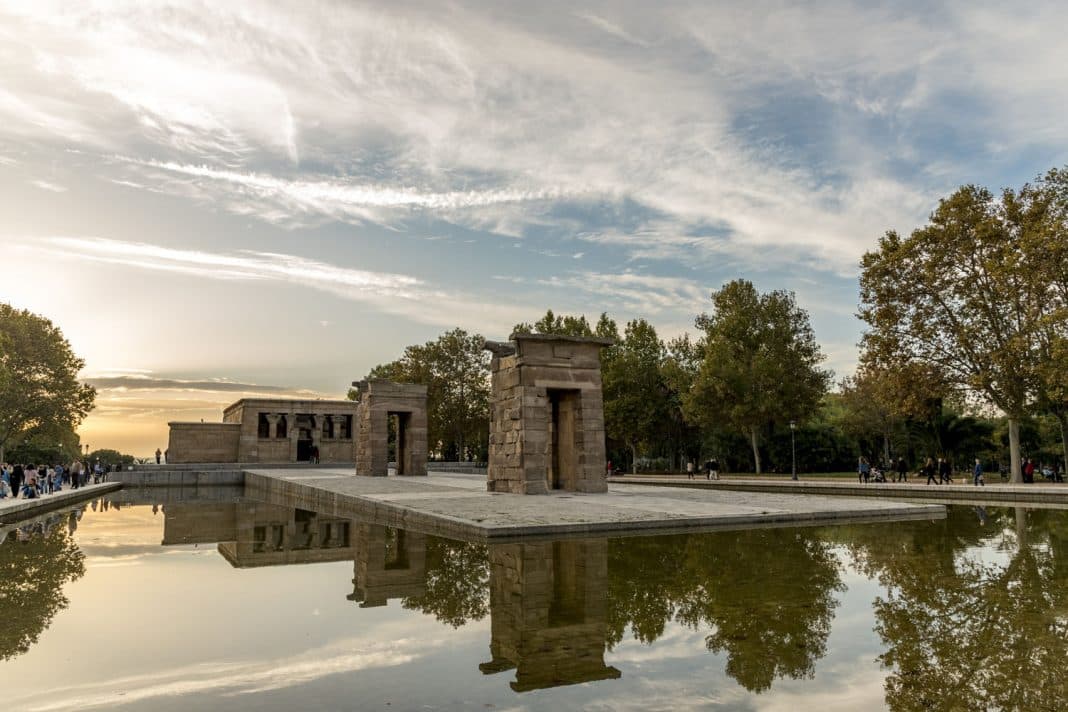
(273, 449)
(533, 376)
(203, 442)
(379, 400)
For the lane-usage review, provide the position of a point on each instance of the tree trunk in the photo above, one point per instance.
(633, 458)
(1021, 528)
(1014, 450)
(886, 447)
(756, 449)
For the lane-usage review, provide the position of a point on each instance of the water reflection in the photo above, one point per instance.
(548, 606)
(975, 614)
(972, 611)
(37, 559)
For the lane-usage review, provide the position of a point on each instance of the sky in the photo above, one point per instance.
(215, 200)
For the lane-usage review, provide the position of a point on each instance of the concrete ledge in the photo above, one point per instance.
(1005, 493)
(18, 509)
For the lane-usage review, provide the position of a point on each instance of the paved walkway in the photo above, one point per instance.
(459, 506)
(16, 509)
(1031, 494)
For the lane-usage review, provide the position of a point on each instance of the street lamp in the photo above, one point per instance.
(793, 450)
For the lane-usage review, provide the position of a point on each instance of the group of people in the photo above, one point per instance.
(940, 471)
(711, 469)
(32, 481)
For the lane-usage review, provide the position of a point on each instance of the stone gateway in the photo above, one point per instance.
(547, 419)
(404, 404)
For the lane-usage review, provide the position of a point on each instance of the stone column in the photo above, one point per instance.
(272, 423)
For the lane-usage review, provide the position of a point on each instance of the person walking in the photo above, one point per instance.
(930, 470)
(863, 470)
(902, 470)
(1029, 471)
(944, 471)
(159, 454)
(977, 473)
(713, 473)
(689, 469)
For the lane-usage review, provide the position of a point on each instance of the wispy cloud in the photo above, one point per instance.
(147, 383)
(390, 292)
(45, 185)
(233, 678)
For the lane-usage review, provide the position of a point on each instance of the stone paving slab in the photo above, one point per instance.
(460, 507)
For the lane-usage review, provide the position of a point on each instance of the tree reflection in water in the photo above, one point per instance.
(972, 630)
(767, 596)
(35, 563)
(457, 582)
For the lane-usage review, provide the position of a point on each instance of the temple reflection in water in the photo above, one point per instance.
(548, 613)
(959, 628)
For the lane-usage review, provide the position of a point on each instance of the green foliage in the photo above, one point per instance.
(760, 363)
(961, 631)
(455, 370)
(765, 597)
(111, 457)
(635, 394)
(457, 580)
(569, 325)
(39, 388)
(32, 576)
(979, 296)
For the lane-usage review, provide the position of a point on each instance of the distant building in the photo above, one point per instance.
(269, 430)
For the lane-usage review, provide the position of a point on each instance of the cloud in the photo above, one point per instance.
(345, 199)
(391, 293)
(144, 383)
(233, 678)
(45, 185)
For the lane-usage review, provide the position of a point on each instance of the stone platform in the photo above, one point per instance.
(458, 506)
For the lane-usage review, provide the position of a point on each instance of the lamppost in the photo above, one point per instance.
(793, 450)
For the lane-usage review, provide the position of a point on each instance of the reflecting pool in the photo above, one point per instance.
(231, 604)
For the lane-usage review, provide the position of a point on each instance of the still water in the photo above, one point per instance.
(237, 605)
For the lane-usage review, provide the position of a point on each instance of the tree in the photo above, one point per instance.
(39, 386)
(32, 576)
(958, 296)
(1043, 208)
(760, 363)
(635, 395)
(111, 457)
(455, 370)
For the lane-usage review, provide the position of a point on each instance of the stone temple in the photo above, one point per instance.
(269, 430)
(547, 420)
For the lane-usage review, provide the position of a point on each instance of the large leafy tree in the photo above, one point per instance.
(760, 363)
(1043, 208)
(960, 296)
(635, 394)
(455, 369)
(39, 387)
